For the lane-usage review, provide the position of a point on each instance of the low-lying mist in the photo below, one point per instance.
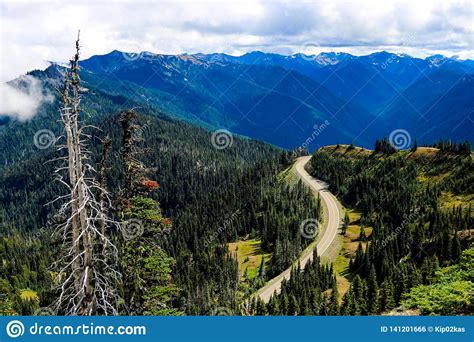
(21, 98)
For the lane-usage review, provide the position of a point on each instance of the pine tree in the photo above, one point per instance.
(293, 307)
(359, 290)
(387, 295)
(305, 310)
(146, 268)
(372, 292)
(261, 271)
(261, 309)
(285, 304)
(345, 223)
(334, 300)
(347, 306)
(455, 248)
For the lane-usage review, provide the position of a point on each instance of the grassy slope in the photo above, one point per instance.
(249, 255)
(423, 155)
(346, 246)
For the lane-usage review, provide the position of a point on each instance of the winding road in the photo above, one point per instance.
(331, 222)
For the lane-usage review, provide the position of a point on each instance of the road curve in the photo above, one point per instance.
(330, 233)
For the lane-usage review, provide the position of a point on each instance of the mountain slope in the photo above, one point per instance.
(438, 105)
(264, 102)
(286, 99)
(290, 101)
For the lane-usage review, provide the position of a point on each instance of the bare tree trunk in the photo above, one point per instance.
(87, 278)
(87, 281)
(66, 118)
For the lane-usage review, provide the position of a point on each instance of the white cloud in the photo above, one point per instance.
(22, 101)
(33, 32)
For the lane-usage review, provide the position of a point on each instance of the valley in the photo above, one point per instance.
(279, 99)
(231, 228)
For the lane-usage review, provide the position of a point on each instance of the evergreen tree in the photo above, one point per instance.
(345, 223)
(387, 296)
(373, 298)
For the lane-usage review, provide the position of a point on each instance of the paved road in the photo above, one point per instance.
(330, 233)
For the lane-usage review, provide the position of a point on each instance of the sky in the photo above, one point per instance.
(35, 32)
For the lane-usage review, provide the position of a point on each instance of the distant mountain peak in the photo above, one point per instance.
(437, 60)
(332, 58)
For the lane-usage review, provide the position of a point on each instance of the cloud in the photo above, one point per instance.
(21, 100)
(33, 33)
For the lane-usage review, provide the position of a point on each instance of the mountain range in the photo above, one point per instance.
(297, 100)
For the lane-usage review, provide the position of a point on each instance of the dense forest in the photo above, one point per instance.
(191, 200)
(416, 231)
(419, 253)
(198, 190)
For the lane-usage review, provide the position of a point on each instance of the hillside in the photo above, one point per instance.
(404, 249)
(408, 212)
(265, 102)
(200, 190)
(415, 210)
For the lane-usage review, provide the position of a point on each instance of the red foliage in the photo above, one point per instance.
(150, 184)
(167, 222)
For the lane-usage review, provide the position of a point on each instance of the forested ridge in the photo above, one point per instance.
(200, 189)
(195, 199)
(418, 256)
(415, 231)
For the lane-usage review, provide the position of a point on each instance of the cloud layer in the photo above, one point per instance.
(36, 31)
(22, 102)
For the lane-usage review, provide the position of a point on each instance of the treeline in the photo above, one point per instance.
(451, 146)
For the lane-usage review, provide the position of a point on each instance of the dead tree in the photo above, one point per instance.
(87, 278)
